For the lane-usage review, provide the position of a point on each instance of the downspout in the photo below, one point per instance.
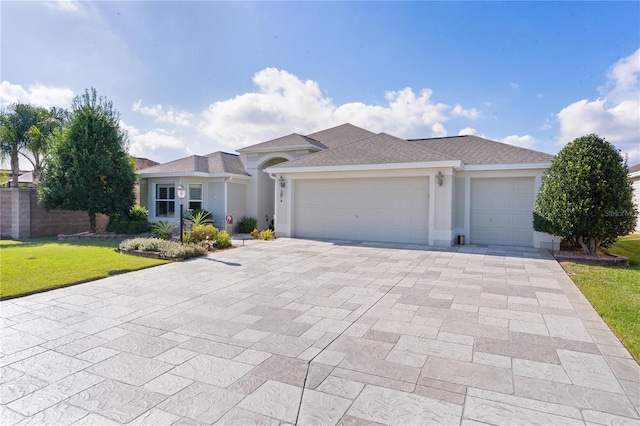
(275, 199)
(226, 179)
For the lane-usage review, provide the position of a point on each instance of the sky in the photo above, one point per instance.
(201, 76)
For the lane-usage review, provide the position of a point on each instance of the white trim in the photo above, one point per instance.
(523, 166)
(192, 174)
(356, 167)
(634, 175)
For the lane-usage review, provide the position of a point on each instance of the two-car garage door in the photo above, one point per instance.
(367, 209)
(501, 211)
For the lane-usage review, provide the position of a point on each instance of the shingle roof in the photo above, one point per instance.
(474, 150)
(377, 149)
(340, 135)
(294, 139)
(634, 169)
(144, 163)
(216, 162)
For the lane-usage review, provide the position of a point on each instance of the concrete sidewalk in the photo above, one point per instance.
(310, 333)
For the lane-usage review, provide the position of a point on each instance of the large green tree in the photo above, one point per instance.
(89, 168)
(586, 195)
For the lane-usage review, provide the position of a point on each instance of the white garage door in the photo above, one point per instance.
(501, 211)
(388, 210)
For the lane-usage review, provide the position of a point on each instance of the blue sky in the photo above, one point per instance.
(197, 77)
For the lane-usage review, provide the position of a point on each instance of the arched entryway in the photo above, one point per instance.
(266, 194)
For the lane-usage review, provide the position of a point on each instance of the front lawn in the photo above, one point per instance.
(33, 265)
(614, 291)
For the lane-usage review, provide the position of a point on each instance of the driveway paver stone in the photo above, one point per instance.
(319, 333)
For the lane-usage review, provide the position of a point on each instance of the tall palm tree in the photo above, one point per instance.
(14, 124)
(24, 130)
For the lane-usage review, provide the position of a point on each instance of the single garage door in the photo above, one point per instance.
(501, 211)
(387, 209)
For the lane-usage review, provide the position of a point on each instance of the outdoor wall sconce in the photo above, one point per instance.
(440, 178)
(282, 184)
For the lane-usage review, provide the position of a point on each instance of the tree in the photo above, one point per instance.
(28, 130)
(15, 122)
(40, 137)
(89, 168)
(586, 195)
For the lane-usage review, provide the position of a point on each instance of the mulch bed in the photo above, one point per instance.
(599, 260)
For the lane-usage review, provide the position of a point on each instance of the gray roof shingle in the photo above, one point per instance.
(340, 135)
(474, 150)
(377, 149)
(294, 139)
(634, 169)
(216, 162)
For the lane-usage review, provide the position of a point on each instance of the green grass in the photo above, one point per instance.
(34, 265)
(614, 291)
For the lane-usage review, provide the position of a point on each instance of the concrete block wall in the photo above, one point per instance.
(22, 217)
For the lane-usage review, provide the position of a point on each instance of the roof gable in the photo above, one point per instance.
(474, 150)
(216, 162)
(294, 140)
(340, 135)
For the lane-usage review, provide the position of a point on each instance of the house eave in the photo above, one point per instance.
(357, 167)
(193, 174)
(517, 166)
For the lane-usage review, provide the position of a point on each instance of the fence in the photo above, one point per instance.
(22, 217)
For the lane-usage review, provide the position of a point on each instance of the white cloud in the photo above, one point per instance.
(282, 103)
(469, 113)
(64, 5)
(170, 116)
(468, 131)
(158, 144)
(36, 94)
(514, 85)
(526, 141)
(614, 116)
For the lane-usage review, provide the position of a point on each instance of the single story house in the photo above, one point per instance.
(634, 176)
(349, 183)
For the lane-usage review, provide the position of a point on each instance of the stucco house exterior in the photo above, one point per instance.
(348, 183)
(634, 176)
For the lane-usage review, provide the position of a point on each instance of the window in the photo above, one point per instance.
(195, 196)
(165, 199)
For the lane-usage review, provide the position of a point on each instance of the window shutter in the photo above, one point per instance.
(195, 191)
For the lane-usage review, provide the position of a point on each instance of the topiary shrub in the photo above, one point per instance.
(247, 224)
(586, 195)
(138, 214)
(223, 240)
(199, 233)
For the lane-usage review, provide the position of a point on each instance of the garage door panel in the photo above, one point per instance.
(390, 209)
(501, 211)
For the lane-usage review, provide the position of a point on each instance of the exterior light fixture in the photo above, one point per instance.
(181, 194)
(282, 184)
(440, 178)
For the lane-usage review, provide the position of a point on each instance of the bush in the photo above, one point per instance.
(167, 249)
(163, 229)
(247, 224)
(586, 195)
(200, 233)
(124, 226)
(133, 223)
(223, 240)
(199, 217)
(267, 234)
(255, 234)
(138, 214)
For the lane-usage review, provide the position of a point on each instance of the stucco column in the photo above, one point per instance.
(20, 213)
(442, 196)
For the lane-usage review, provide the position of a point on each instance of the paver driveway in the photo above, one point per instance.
(308, 332)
